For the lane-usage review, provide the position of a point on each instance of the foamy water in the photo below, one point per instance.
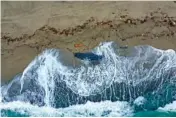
(105, 108)
(139, 76)
(169, 107)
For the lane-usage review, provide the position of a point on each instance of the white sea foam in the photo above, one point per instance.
(139, 101)
(106, 108)
(169, 107)
(84, 80)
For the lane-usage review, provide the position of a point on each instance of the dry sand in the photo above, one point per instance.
(30, 27)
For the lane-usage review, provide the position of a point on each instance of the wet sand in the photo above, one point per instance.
(28, 28)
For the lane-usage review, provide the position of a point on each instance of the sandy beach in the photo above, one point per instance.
(28, 28)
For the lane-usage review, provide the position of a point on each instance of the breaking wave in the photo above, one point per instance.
(105, 108)
(143, 76)
(169, 107)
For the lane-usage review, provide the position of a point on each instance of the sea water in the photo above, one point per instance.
(138, 81)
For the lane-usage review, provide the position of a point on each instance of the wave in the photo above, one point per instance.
(169, 107)
(105, 108)
(169, 110)
(57, 79)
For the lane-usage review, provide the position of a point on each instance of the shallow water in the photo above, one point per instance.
(140, 81)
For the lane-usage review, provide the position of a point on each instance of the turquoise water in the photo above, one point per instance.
(155, 114)
(9, 113)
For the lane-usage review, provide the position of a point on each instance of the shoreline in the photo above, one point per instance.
(79, 27)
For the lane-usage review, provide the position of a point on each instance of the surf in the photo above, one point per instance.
(58, 79)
